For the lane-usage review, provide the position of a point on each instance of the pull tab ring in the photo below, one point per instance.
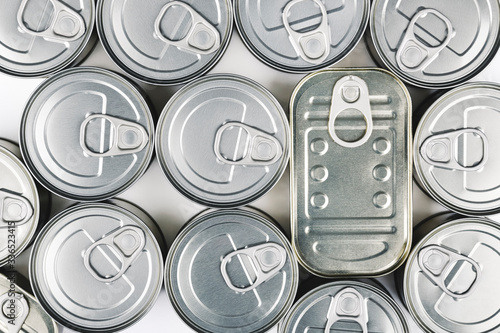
(22, 310)
(354, 311)
(14, 208)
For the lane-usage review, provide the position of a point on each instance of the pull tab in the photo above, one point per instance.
(259, 148)
(350, 93)
(126, 137)
(413, 55)
(14, 208)
(17, 311)
(436, 262)
(265, 260)
(67, 25)
(441, 150)
(312, 46)
(349, 305)
(202, 37)
(127, 242)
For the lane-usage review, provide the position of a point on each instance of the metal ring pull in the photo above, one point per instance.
(350, 93)
(441, 150)
(312, 46)
(265, 261)
(127, 137)
(260, 148)
(413, 55)
(14, 208)
(202, 37)
(348, 305)
(127, 242)
(436, 262)
(67, 25)
(22, 310)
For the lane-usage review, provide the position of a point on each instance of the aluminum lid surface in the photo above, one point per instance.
(40, 37)
(96, 268)
(345, 306)
(231, 271)
(87, 134)
(301, 35)
(223, 141)
(451, 278)
(19, 206)
(435, 44)
(456, 149)
(170, 42)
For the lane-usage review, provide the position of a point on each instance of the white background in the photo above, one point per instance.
(155, 194)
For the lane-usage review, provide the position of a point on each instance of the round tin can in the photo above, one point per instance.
(87, 134)
(223, 141)
(300, 36)
(96, 268)
(435, 44)
(455, 152)
(40, 37)
(231, 271)
(170, 42)
(345, 306)
(451, 278)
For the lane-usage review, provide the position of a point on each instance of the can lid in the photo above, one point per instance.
(456, 149)
(223, 141)
(301, 36)
(345, 306)
(39, 37)
(433, 45)
(19, 204)
(229, 271)
(96, 267)
(171, 42)
(87, 134)
(450, 276)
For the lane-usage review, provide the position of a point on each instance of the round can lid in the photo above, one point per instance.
(452, 274)
(96, 267)
(231, 271)
(455, 152)
(87, 134)
(40, 37)
(431, 44)
(345, 306)
(223, 141)
(19, 204)
(301, 35)
(171, 42)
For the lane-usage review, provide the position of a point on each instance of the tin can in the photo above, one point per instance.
(231, 271)
(96, 268)
(87, 134)
(455, 156)
(451, 278)
(345, 306)
(41, 37)
(170, 42)
(20, 310)
(351, 172)
(300, 36)
(223, 141)
(435, 44)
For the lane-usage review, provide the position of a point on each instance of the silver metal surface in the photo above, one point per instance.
(435, 44)
(223, 141)
(301, 35)
(40, 37)
(96, 268)
(345, 306)
(231, 271)
(170, 42)
(87, 134)
(351, 192)
(451, 278)
(455, 151)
